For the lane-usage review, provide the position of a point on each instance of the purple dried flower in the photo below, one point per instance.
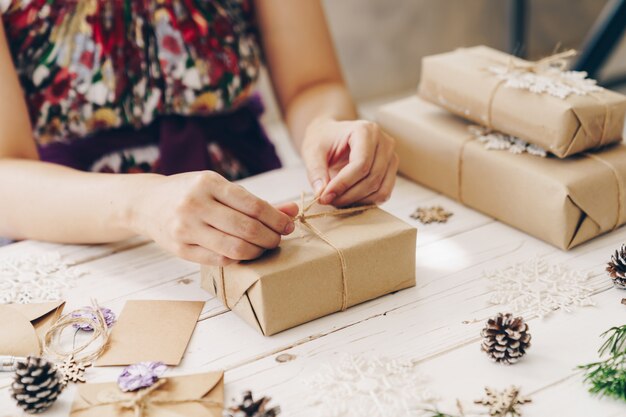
(140, 375)
(88, 312)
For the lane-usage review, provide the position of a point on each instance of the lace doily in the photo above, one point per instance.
(535, 287)
(33, 278)
(551, 81)
(500, 142)
(373, 387)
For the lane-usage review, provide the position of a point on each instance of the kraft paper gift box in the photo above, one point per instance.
(562, 201)
(465, 82)
(303, 278)
(22, 326)
(198, 395)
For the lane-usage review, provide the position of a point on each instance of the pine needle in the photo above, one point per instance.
(608, 377)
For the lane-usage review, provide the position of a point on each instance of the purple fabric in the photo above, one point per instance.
(182, 142)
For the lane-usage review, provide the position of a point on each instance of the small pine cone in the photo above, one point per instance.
(251, 408)
(36, 385)
(617, 268)
(505, 338)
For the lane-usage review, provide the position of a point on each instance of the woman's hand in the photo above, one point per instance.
(349, 161)
(202, 217)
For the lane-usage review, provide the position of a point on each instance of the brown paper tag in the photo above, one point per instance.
(151, 331)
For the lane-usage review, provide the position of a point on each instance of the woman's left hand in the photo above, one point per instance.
(349, 161)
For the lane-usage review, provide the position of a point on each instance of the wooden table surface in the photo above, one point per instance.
(435, 324)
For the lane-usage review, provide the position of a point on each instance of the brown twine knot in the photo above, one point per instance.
(557, 61)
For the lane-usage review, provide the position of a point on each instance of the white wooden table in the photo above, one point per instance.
(436, 323)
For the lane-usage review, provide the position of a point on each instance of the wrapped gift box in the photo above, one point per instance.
(494, 89)
(197, 395)
(304, 279)
(562, 201)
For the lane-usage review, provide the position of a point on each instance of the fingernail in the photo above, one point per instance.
(289, 228)
(328, 198)
(318, 185)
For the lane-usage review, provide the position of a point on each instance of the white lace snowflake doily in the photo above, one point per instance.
(369, 386)
(500, 141)
(551, 81)
(33, 278)
(536, 287)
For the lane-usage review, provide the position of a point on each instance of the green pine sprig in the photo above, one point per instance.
(608, 377)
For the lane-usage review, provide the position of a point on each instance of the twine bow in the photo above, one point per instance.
(557, 61)
(141, 400)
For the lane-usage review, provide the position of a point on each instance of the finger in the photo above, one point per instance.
(224, 244)
(203, 256)
(370, 184)
(316, 162)
(363, 144)
(290, 209)
(237, 224)
(237, 197)
(386, 188)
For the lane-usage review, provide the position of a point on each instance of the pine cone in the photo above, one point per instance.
(505, 338)
(617, 268)
(36, 385)
(251, 408)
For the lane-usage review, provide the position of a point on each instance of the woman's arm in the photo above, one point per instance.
(199, 216)
(351, 161)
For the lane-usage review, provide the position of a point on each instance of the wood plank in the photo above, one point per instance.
(558, 347)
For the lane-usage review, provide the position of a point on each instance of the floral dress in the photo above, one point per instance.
(141, 85)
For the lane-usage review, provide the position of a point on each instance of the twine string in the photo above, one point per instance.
(303, 219)
(51, 339)
(141, 400)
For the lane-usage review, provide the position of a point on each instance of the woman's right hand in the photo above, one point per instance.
(204, 218)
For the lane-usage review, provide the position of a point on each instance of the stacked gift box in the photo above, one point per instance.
(564, 177)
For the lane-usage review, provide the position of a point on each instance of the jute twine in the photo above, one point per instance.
(81, 353)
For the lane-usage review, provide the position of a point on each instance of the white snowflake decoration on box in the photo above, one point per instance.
(369, 386)
(551, 81)
(500, 142)
(32, 278)
(536, 287)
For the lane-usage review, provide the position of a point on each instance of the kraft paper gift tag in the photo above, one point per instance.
(198, 395)
(149, 330)
(22, 326)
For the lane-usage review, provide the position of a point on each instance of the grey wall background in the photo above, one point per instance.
(380, 42)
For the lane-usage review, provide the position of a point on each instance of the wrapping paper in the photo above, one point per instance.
(562, 201)
(302, 279)
(461, 82)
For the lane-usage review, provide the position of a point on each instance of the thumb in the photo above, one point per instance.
(317, 169)
(290, 209)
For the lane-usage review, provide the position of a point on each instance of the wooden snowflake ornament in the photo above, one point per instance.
(505, 403)
(433, 214)
(71, 371)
